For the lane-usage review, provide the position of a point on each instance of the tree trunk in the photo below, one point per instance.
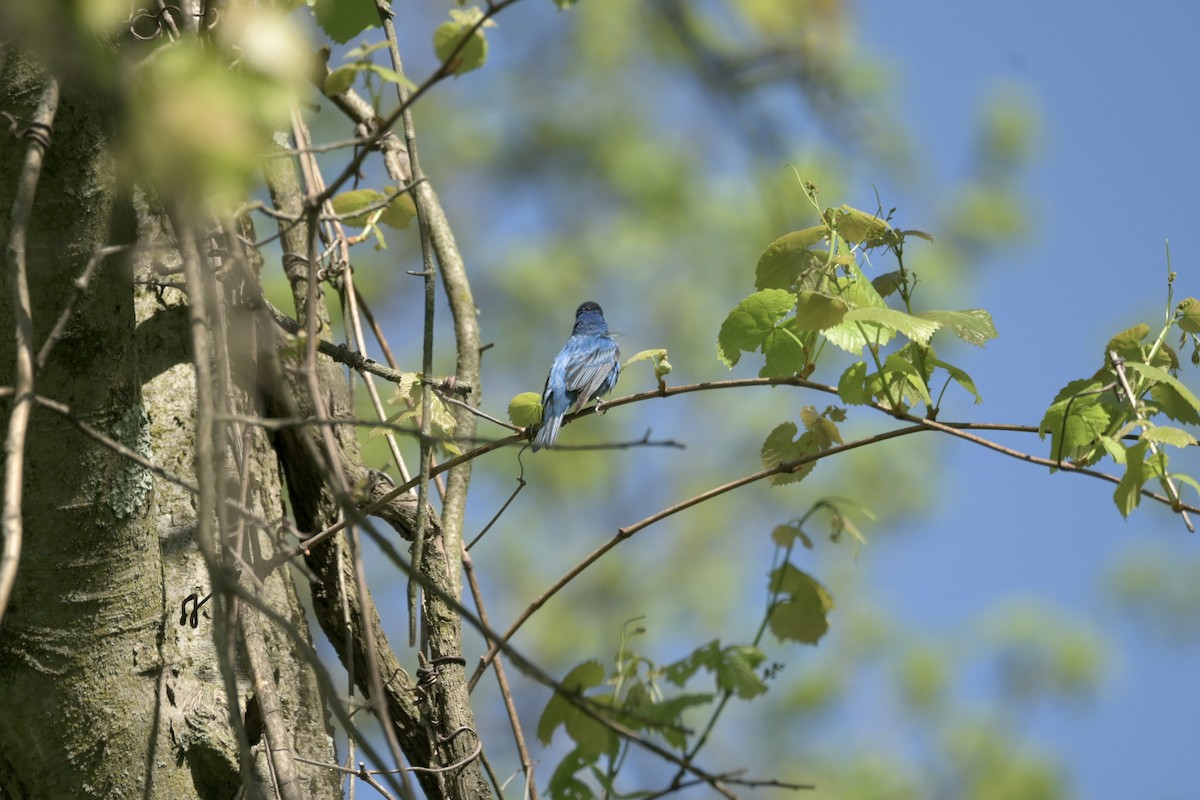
(110, 681)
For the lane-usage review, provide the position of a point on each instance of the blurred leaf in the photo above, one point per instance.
(339, 80)
(1189, 315)
(447, 37)
(345, 19)
(733, 667)
(525, 409)
(803, 613)
(785, 535)
(591, 737)
(887, 283)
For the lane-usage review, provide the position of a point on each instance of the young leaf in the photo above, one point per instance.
(1129, 491)
(973, 326)
(1075, 420)
(1189, 315)
(787, 258)
(352, 201)
(915, 328)
(590, 736)
(525, 409)
(339, 80)
(816, 311)
(1176, 437)
(851, 385)
(785, 352)
(860, 227)
(1164, 377)
(802, 612)
(446, 39)
(749, 323)
(959, 377)
(1127, 343)
(780, 446)
(1173, 404)
(345, 19)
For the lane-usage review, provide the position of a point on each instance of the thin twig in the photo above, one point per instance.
(505, 692)
(22, 308)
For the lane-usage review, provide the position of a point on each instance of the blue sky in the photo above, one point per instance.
(1116, 176)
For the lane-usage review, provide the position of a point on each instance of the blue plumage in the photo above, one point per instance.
(585, 369)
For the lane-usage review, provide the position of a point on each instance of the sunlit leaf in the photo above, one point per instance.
(789, 256)
(525, 409)
(749, 323)
(1189, 315)
(973, 326)
(470, 56)
(1177, 437)
(816, 311)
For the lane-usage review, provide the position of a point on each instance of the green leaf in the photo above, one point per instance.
(354, 200)
(786, 535)
(749, 323)
(787, 258)
(887, 283)
(342, 20)
(563, 783)
(1128, 493)
(470, 57)
(1164, 377)
(658, 359)
(802, 612)
(860, 227)
(391, 76)
(785, 352)
(589, 735)
(851, 385)
(779, 447)
(525, 409)
(399, 211)
(915, 328)
(1176, 437)
(1189, 315)
(339, 80)
(1173, 404)
(1127, 343)
(734, 668)
(816, 311)
(1076, 434)
(904, 375)
(858, 292)
(959, 377)
(736, 673)
(973, 326)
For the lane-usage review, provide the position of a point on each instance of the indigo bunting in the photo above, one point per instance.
(584, 369)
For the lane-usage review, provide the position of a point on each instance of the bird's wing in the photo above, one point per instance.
(591, 364)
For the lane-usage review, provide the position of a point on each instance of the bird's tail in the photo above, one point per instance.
(547, 433)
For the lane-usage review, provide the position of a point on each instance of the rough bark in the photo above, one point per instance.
(104, 691)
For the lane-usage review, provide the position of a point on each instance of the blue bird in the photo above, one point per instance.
(584, 369)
